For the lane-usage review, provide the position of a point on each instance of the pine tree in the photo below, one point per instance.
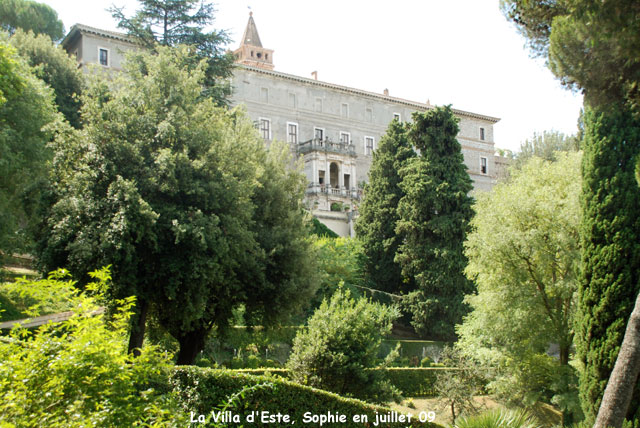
(611, 249)
(376, 226)
(181, 22)
(434, 219)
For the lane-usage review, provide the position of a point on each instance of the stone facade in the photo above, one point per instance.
(335, 129)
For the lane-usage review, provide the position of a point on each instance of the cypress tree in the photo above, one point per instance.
(379, 210)
(434, 219)
(611, 249)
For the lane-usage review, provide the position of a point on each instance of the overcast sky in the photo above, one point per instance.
(458, 52)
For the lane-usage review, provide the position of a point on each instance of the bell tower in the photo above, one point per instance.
(251, 51)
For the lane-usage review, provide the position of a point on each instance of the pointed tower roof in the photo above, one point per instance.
(251, 51)
(251, 36)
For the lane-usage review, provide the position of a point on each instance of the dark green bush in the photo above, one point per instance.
(203, 390)
(412, 382)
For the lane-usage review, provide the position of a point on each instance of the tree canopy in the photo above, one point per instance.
(434, 220)
(30, 16)
(56, 68)
(376, 225)
(524, 256)
(182, 199)
(181, 22)
(28, 121)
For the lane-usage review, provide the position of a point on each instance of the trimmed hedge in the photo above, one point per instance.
(202, 390)
(411, 381)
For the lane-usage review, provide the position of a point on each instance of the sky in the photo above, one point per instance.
(458, 52)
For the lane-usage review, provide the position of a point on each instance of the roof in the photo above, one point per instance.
(355, 91)
(81, 28)
(250, 36)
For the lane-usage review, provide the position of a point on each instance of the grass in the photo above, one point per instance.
(544, 413)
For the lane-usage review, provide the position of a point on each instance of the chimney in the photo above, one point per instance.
(315, 75)
(386, 92)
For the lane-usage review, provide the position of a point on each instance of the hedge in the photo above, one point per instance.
(203, 390)
(411, 381)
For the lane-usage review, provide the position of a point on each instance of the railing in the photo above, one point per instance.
(327, 145)
(326, 189)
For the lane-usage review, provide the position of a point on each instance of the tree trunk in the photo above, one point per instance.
(622, 381)
(191, 343)
(453, 413)
(564, 360)
(138, 324)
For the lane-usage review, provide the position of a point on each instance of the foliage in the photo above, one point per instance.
(58, 70)
(546, 146)
(78, 373)
(181, 22)
(501, 418)
(183, 200)
(524, 255)
(30, 16)
(338, 260)
(200, 390)
(28, 119)
(611, 255)
(589, 45)
(340, 343)
(376, 225)
(456, 389)
(320, 229)
(21, 299)
(434, 219)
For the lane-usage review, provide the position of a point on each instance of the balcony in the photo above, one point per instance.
(325, 189)
(326, 145)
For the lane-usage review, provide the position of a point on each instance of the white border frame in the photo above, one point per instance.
(347, 115)
(324, 133)
(108, 56)
(398, 115)
(260, 119)
(348, 134)
(297, 132)
(487, 160)
(373, 146)
(482, 134)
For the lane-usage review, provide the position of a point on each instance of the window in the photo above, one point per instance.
(396, 116)
(318, 133)
(292, 133)
(264, 95)
(368, 115)
(344, 110)
(265, 128)
(482, 133)
(292, 100)
(103, 56)
(319, 105)
(345, 137)
(368, 145)
(483, 164)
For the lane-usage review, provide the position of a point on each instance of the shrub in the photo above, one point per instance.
(339, 344)
(201, 390)
(499, 419)
(78, 373)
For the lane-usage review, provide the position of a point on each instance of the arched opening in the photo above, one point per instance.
(333, 175)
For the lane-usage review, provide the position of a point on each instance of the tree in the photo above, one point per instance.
(28, 120)
(617, 395)
(611, 250)
(77, 373)
(30, 16)
(181, 22)
(546, 146)
(434, 219)
(182, 199)
(594, 46)
(590, 45)
(524, 256)
(56, 68)
(376, 225)
(338, 346)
